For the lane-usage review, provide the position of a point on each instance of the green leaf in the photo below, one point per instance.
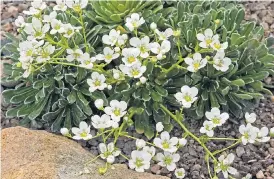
(71, 97)
(156, 96)
(161, 91)
(238, 82)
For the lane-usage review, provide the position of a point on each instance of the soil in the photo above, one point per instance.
(255, 159)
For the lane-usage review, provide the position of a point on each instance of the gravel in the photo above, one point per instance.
(257, 160)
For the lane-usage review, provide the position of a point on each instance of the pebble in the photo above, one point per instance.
(155, 168)
(272, 143)
(240, 151)
(260, 174)
(271, 151)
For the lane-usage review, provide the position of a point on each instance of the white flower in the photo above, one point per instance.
(153, 26)
(60, 5)
(207, 38)
(99, 103)
(248, 133)
(108, 56)
(187, 96)
(112, 38)
(116, 109)
(142, 44)
(135, 71)
(50, 17)
(196, 62)
(74, 54)
(271, 132)
(45, 52)
(182, 142)
(166, 143)
(140, 143)
(77, 5)
(151, 150)
(143, 80)
(37, 29)
(220, 62)
(130, 56)
(64, 131)
(117, 49)
(248, 176)
(159, 127)
(122, 39)
(224, 165)
(160, 50)
(102, 122)
(216, 45)
(216, 117)
(32, 11)
(83, 132)
(180, 173)
(20, 22)
(69, 30)
(250, 118)
(164, 35)
(140, 160)
(108, 152)
(262, 134)
(97, 81)
(134, 21)
(87, 61)
(36, 7)
(167, 160)
(207, 128)
(57, 26)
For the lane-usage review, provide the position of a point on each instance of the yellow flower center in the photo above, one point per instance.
(57, 27)
(143, 49)
(135, 24)
(77, 7)
(29, 52)
(188, 98)
(167, 160)
(139, 163)
(180, 173)
(165, 144)
(216, 120)
(97, 83)
(131, 59)
(117, 112)
(83, 134)
(217, 45)
(38, 34)
(69, 32)
(135, 72)
(208, 41)
(196, 65)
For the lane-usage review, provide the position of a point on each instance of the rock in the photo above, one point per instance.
(196, 167)
(155, 168)
(32, 154)
(272, 143)
(271, 151)
(260, 174)
(240, 151)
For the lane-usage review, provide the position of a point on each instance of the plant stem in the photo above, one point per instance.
(174, 65)
(92, 160)
(188, 132)
(84, 31)
(234, 144)
(124, 156)
(128, 136)
(216, 138)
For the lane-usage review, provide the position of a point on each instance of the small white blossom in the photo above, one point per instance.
(143, 80)
(135, 71)
(195, 63)
(97, 81)
(216, 45)
(220, 62)
(36, 7)
(112, 38)
(180, 173)
(262, 134)
(153, 26)
(87, 61)
(248, 133)
(216, 117)
(207, 38)
(45, 52)
(74, 54)
(160, 50)
(187, 96)
(140, 160)
(167, 160)
(37, 29)
(117, 49)
(224, 165)
(108, 55)
(64, 131)
(140, 143)
(83, 132)
(159, 127)
(207, 128)
(20, 22)
(57, 26)
(108, 152)
(99, 103)
(116, 109)
(166, 143)
(60, 5)
(142, 44)
(102, 122)
(130, 56)
(182, 142)
(122, 39)
(151, 150)
(250, 118)
(164, 35)
(50, 17)
(134, 21)
(77, 5)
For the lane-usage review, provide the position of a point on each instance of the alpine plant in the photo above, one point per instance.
(105, 66)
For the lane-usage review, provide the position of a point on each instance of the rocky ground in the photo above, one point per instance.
(257, 160)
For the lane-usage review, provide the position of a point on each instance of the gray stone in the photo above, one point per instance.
(240, 151)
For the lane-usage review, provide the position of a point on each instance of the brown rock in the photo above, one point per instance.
(260, 174)
(33, 154)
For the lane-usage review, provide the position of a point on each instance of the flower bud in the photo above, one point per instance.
(140, 143)
(176, 33)
(125, 118)
(117, 49)
(102, 170)
(143, 79)
(19, 64)
(116, 76)
(138, 83)
(153, 26)
(109, 87)
(217, 21)
(99, 103)
(64, 131)
(159, 127)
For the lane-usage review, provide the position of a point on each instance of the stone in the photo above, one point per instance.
(260, 174)
(272, 143)
(240, 151)
(155, 168)
(33, 154)
(271, 151)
